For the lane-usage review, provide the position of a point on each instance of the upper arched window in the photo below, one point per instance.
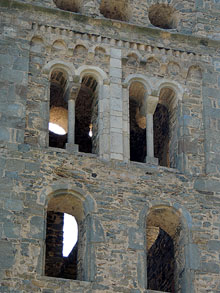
(164, 120)
(58, 122)
(137, 119)
(86, 112)
(116, 9)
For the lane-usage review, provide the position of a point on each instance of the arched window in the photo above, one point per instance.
(61, 210)
(86, 112)
(165, 250)
(58, 122)
(164, 120)
(137, 117)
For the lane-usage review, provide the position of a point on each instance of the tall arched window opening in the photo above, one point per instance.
(165, 258)
(164, 119)
(137, 118)
(58, 262)
(86, 112)
(58, 122)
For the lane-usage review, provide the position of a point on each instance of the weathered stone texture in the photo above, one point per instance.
(112, 196)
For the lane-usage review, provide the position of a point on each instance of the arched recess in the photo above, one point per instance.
(168, 250)
(78, 264)
(37, 44)
(116, 9)
(194, 73)
(137, 120)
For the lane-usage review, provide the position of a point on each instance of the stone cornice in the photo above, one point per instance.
(122, 31)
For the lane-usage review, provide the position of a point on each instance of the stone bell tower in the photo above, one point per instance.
(110, 113)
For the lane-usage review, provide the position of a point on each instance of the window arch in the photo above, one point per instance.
(58, 122)
(165, 249)
(56, 265)
(86, 112)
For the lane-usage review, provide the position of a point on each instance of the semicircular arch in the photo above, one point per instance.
(94, 71)
(59, 64)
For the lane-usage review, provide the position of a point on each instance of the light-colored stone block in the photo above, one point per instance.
(116, 91)
(116, 143)
(115, 63)
(115, 53)
(116, 105)
(115, 72)
(116, 122)
(116, 156)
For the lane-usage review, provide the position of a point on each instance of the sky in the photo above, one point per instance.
(70, 236)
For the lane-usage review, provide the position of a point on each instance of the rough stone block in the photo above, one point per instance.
(14, 205)
(4, 134)
(21, 64)
(7, 258)
(214, 245)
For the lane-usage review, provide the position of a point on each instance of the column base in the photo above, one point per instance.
(72, 148)
(151, 160)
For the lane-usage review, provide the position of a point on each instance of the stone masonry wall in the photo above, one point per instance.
(116, 194)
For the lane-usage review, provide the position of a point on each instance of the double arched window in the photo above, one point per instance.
(74, 111)
(153, 124)
(77, 102)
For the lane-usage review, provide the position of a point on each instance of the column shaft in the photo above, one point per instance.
(71, 121)
(150, 135)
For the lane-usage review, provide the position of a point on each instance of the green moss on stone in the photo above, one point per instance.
(5, 3)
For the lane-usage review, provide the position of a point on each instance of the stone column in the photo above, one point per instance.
(104, 120)
(116, 105)
(71, 121)
(72, 94)
(151, 104)
(150, 135)
(126, 128)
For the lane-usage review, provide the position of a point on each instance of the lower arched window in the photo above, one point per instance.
(165, 250)
(65, 238)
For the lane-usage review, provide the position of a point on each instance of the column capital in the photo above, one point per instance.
(74, 88)
(151, 104)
